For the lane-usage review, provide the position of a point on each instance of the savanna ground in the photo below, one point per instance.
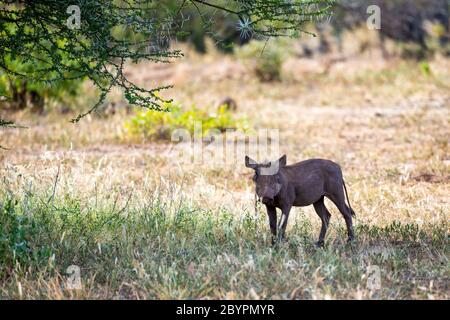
(139, 226)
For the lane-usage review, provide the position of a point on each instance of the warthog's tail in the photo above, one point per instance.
(348, 200)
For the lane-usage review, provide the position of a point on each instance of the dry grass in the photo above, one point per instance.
(139, 226)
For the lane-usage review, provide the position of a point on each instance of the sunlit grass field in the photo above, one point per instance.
(166, 248)
(141, 226)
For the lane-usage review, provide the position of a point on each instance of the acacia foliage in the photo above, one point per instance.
(38, 34)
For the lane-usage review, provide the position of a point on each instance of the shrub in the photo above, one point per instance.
(437, 39)
(266, 58)
(155, 125)
(30, 93)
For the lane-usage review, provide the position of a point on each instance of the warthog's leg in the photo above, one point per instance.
(349, 223)
(283, 222)
(272, 213)
(339, 200)
(324, 215)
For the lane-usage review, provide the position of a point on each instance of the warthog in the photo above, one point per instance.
(302, 184)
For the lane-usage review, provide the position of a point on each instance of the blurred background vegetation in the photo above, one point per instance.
(410, 29)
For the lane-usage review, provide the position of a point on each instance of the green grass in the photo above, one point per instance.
(170, 250)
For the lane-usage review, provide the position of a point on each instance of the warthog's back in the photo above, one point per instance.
(313, 166)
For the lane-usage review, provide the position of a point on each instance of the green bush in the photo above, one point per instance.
(155, 125)
(23, 93)
(436, 39)
(266, 58)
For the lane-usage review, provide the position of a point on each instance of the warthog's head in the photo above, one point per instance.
(267, 178)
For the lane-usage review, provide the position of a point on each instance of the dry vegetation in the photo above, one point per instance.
(141, 226)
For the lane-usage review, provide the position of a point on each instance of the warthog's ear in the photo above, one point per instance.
(250, 163)
(282, 161)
